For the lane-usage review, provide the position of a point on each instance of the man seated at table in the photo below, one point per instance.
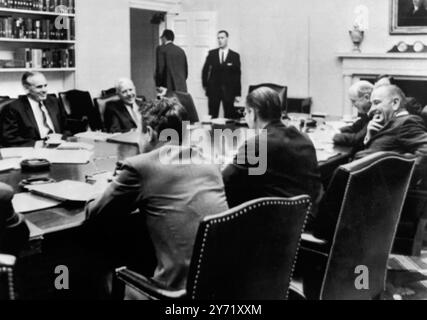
(123, 115)
(14, 232)
(291, 162)
(353, 136)
(32, 117)
(174, 194)
(394, 129)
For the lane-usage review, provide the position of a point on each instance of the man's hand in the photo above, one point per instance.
(237, 99)
(374, 127)
(161, 91)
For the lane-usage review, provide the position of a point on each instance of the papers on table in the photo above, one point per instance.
(68, 190)
(27, 202)
(14, 156)
(10, 164)
(95, 136)
(15, 152)
(323, 155)
(132, 137)
(75, 146)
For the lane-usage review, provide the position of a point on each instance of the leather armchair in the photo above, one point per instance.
(356, 226)
(7, 264)
(247, 253)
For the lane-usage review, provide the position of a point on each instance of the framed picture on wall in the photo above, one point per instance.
(408, 17)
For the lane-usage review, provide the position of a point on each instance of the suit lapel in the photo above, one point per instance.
(126, 112)
(30, 114)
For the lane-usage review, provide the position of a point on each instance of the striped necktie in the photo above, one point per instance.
(45, 117)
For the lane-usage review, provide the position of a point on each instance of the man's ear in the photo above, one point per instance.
(396, 104)
(152, 135)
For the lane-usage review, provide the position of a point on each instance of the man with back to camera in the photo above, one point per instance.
(123, 115)
(32, 117)
(172, 66)
(360, 97)
(221, 78)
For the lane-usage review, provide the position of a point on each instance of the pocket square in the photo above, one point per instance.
(229, 64)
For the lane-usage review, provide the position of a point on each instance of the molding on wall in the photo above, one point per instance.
(170, 6)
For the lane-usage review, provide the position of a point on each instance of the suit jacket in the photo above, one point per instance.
(354, 135)
(217, 76)
(174, 197)
(172, 68)
(18, 124)
(292, 168)
(117, 118)
(14, 232)
(403, 134)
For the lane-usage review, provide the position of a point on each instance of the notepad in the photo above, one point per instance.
(67, 190)
(15, 152)
(75, 146)
(62, 156)
(10, 164)
(132, 137)
(27, 202)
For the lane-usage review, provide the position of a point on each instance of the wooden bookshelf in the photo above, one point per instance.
(22, 70)
(35, 13)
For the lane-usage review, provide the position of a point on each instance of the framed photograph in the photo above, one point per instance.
(408, 17)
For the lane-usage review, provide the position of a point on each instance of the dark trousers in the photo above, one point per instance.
(227, 100)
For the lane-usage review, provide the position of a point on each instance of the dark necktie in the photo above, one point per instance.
(45, 115)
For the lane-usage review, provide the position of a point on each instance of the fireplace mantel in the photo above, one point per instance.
(408, 66)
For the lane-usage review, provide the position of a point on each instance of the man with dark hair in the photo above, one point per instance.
(392, 128)
(172, 66)
(32, 117)
(14, 232)
(221, 78)
(292, 167)
(174, 194)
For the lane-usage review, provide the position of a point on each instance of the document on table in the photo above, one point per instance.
(10, 164)
(132, 137)
(15, 152)
(28, 202)
(62, 156)
(95, 136)
(67, 190)
(75, 146)
(324, 155)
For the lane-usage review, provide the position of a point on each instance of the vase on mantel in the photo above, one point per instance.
(357, 37)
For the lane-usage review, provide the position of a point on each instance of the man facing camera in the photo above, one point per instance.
(123, 115)
(14, 232)
(360, 96)
(221, 78)
(291, 161)
(172, 193)
(32, 117)
(393, 129)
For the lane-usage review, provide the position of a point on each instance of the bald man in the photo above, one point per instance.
(14, 232)
(360, 97)
(123, 115)
(392, 128)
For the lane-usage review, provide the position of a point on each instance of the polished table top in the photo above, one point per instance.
(105, 158)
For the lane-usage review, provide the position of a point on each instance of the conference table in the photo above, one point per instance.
(105, 157)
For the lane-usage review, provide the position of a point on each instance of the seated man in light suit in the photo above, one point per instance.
(394, 129)
(123, 115)
(14, 232)
(32, 117)
(172, 193)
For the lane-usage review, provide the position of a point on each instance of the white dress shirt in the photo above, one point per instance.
(225, 51)
(38, 115)
(135, 114)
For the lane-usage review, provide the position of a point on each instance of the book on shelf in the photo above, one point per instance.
(39, 5)
(30, 58)
(29, 28)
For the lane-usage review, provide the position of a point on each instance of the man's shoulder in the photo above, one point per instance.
(233, 53)
(409, 120)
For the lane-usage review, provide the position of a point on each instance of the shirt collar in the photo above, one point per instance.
(401, 114)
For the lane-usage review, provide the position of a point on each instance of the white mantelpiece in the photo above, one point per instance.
(406, 66)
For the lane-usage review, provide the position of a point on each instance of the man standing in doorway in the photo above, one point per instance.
(222, 78)
(172, 67)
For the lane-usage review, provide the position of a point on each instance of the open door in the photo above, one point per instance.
(195, 32)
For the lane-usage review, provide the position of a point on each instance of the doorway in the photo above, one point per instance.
(144, 26)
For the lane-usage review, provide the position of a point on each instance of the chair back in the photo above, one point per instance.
(7, 290)
(108, 93)
(248, 253)
(188, 103)
(101, 103)
(3, 103)
(281, 90)
(299, 105)
(367, 196)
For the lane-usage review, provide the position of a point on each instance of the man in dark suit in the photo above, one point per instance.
(394, 129)
(290, 160)
(14, 232)
(168, 187)
(32, 117)
(353, 136)
(221, 78)
(123, 115)
(172, 66)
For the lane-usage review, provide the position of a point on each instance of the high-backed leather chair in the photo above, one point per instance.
(101, 103)
(243, 254)
(80, 110)
(299, 105)
(7, 264)
(355, 228)
(281, 90)
(188, 103)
